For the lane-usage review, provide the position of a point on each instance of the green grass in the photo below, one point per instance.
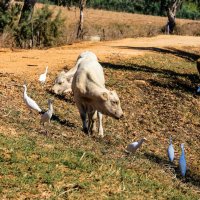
(25, 165)
(67, 164)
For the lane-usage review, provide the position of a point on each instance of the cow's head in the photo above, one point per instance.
(62, 83)
(111, 104)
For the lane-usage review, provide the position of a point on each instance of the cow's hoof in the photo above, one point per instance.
(85, 130)
(101, 135)
(94, 130)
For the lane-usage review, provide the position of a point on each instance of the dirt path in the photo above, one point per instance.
(31, 62)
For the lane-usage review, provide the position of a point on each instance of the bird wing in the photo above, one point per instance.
(134, 144)
(42, 77)
(171, 152)
(132, 147)
(31, 103)
(182, 164)
(182, 161)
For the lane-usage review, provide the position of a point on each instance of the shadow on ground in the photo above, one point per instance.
(63, 122)
(67, 98)
(169, 50)
(175, 80)
(190, 177)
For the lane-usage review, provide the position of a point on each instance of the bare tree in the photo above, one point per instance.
(82, 4)
(27, 11)
(171, 10)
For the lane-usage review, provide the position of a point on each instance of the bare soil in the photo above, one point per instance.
(28, 63)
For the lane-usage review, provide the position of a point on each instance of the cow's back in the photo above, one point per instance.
(88, 77)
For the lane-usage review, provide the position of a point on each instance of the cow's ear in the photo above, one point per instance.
(104, 96)
(113, 91)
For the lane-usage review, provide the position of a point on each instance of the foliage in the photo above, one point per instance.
(9, 17)
(189, 11)
(43, 30)
(190, 8)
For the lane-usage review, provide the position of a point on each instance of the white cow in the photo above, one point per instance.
(92, 97)
(64, 80)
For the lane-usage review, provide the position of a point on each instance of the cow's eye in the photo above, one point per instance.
(60, 83)
(115, 102)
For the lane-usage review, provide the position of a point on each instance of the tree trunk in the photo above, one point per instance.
(27, 11)
(80, 26)
(171, 21)
(171, 9)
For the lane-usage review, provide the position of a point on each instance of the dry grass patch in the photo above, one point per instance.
(157, 93)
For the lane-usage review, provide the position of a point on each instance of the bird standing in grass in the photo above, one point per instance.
(131, 148)
(182, 162)
(170, 150)
(43, 77)
(46, 117)
(30, 102)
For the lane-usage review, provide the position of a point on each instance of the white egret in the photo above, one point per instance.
(30, 102)
(42, 77)
(182, 162)
(132, 147)
(46, 117)
(170, 150)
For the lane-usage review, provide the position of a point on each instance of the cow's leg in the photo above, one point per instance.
(94, 119)
(89, 122)
(92, 116)
(83, 117)
(100, 116)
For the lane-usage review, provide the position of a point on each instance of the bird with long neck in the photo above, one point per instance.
(46, 117)
(170, 150)
(42, 77)
(182, 161)
(30, 102)
(132, 147)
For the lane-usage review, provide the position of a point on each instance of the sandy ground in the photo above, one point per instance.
(29, 63)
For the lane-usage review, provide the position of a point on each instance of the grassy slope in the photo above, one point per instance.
(65, 163)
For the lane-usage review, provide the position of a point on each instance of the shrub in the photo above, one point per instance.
(9, 17)
(42, 31)
(45, 28)
(189, 11)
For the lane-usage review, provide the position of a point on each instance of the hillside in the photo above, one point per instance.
(115, 25)
(156, 80)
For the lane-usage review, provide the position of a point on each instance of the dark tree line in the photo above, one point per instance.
(167, 8)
